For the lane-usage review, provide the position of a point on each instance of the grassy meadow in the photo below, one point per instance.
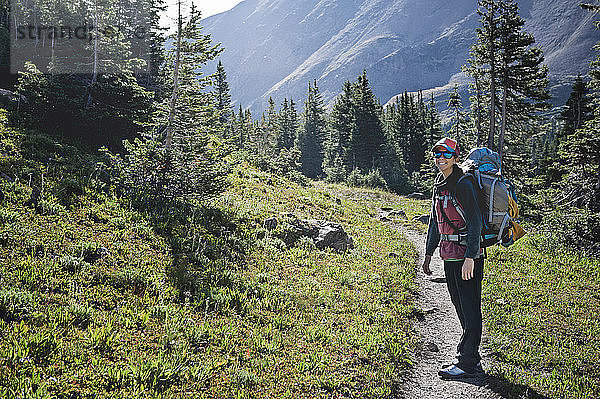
(101, 299)
(541, 306)
(95, 299)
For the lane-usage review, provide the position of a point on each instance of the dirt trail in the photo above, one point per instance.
(440, 332)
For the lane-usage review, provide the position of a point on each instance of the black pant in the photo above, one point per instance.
(466, 297)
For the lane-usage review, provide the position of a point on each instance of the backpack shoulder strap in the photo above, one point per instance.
(447, 220)
(461, 212)
(443, 214)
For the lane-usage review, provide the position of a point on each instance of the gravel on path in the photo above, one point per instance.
(440, 332)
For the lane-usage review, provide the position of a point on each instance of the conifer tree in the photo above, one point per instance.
(522, 75)
(409, 130)
(578, 108)
(288, 125)
(283, 123)
(267, 131)
(222, 94)
(294, 124)
(312, 133)
(434, 129)
(368, 138)
(483, 62)
(557, 156)
(192, 159)
(97, 108)
(455, 103)
(240, 131)
(580, 148)
(393, 168)
(593, 126)
(505, 65)
(417, 135)
(189, 103)
(339, 159)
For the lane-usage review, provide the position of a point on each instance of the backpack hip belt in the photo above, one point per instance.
(460, 238)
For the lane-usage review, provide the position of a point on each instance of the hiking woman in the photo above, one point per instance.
(455, 225)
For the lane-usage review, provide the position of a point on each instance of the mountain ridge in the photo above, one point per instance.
(275, 47)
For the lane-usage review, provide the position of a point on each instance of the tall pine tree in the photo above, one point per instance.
(368, 139)
(509, 76)
(339, 159)
(312, 133)
(523, 77)
(288, 125)
(455, 104)
(222, 94)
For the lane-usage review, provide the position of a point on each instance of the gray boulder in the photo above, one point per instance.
(325, 234)
(398, 213)
(332, 235)
(386, 214)
(270, 223)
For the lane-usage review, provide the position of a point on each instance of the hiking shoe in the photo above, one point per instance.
(478, 368)
(446, 365)
(453, 372)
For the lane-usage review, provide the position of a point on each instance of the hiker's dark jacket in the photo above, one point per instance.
(466, 197)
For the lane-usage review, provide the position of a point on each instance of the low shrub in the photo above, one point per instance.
(574, 228)
(67, 189)
(244, 378)
(80, 315)
(371, 179)
(103, 338)
(70, 263)
(49, 205)
(15, 303)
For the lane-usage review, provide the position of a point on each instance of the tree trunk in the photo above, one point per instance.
(578, 124)
(492, 80)
(52, 55)
(594, 204)
(478, 112)
(458, 126)
(169, 138)
(95, 64)
(503, 125)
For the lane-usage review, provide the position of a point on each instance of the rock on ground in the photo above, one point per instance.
(325, 234)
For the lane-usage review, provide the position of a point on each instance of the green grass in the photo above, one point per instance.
(542, 312)
(91, 304)
(372, 200)
(100, 300)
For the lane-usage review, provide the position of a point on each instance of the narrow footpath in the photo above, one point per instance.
(440, 332)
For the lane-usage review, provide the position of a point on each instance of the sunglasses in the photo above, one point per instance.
(446, 155)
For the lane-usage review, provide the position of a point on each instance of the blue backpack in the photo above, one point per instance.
(496, 197)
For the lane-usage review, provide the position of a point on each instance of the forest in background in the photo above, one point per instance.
(550, 153)
(174, 103)
(160, 145)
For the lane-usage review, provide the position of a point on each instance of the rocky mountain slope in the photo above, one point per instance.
(275, 47)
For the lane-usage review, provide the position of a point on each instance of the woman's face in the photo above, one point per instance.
(444, 165)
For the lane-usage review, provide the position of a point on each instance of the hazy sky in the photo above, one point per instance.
(208, 8)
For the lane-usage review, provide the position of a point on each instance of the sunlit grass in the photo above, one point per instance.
(89, 306)
(542, 311)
